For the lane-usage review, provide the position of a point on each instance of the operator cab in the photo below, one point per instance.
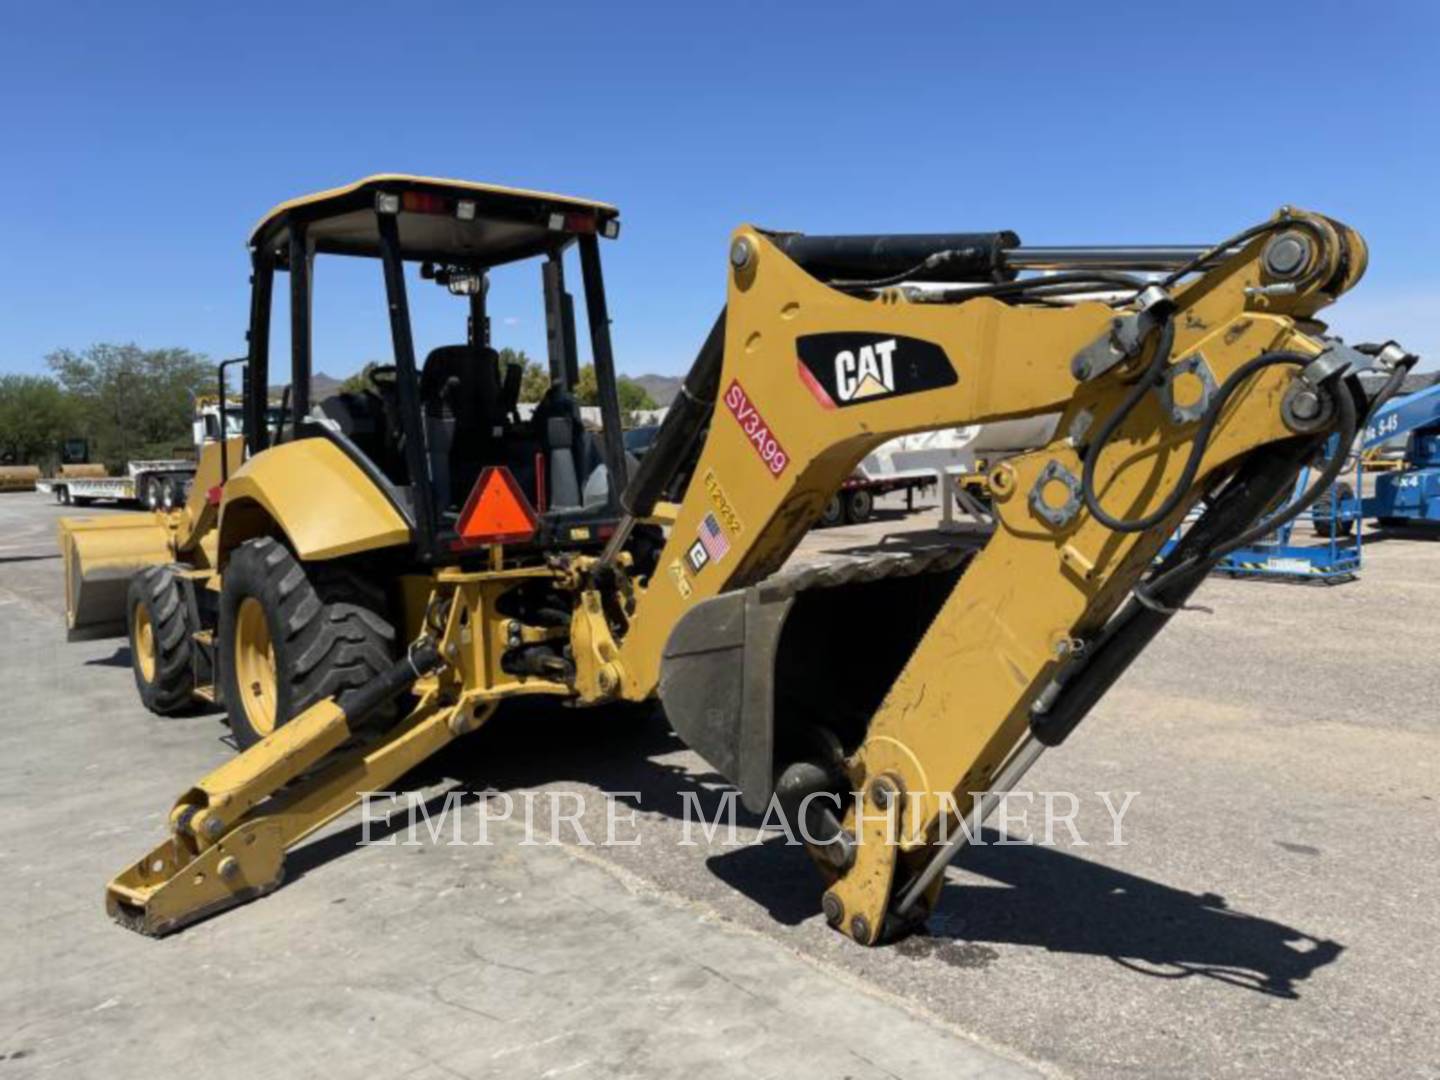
(431, 430)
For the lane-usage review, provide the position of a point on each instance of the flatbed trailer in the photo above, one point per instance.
(159, 484)
(855, 501)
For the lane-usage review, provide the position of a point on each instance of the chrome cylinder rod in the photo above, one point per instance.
(1025, 754)
(1100, 258)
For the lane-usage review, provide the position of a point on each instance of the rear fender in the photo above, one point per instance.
(310, 491)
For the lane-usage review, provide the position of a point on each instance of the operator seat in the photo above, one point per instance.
(462, 403)
(561, 434)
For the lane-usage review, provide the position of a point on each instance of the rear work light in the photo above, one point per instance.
(496, 512)
(573, 222)
(424, 202)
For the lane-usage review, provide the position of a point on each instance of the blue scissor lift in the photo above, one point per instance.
(1410, 495)
(1407, 495)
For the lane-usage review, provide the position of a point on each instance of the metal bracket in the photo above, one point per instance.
(1124, 337)
(1194, 364)
(1058, 516)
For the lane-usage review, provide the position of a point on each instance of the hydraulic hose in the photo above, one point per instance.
(1199, 445)
(1345, 428)
(1201, 261)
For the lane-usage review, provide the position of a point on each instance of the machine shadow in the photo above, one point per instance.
(1041, 897)
(119, 658)
(1047, 898)
(531, 743)
(1383, 533)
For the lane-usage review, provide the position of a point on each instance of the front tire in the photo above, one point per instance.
(291, 635)
(158, 621)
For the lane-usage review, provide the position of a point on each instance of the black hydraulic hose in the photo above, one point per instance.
(1200, 562)
(1198, 446)
(1143, 385)
(1201, 261)
(1082, 683)
(931, 262)
(1346, 427)
(1068, 281)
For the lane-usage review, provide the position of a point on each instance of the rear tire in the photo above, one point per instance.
(291, 635)
(149, 493)
(859, 505)
(834, 512)
(158, 621)
(62, 495)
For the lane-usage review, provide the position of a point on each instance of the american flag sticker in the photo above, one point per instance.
(712, 537)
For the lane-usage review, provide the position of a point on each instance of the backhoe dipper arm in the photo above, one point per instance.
(1201, 385)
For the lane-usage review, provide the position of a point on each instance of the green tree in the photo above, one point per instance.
(634, 398)
(133, 402)
(360, 381)
(35, 414)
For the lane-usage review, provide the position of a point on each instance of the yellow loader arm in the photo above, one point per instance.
(879, 703)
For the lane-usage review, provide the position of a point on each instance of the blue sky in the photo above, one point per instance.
(140, 144)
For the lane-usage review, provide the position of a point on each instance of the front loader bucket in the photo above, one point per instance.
(101, 555)
(792, 669)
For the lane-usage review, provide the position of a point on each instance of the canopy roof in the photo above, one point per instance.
(454, 221)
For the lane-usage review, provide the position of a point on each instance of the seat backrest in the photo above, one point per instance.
(460, 395)
(510, 391)
(558, 427)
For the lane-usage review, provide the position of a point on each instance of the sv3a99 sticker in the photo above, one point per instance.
(762, 440)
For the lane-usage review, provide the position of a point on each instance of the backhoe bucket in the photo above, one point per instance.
(792, 669)
(101, 555)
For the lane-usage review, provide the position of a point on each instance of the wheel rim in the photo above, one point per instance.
(255, 666)
(144, 643)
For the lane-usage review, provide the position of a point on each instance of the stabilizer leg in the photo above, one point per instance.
(231, 831)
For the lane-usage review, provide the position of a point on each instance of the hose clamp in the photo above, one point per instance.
(1125, 337)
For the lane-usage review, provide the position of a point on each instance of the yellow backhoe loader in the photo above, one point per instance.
(368, 577)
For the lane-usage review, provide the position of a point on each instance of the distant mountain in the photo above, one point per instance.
(322, 386)
(662, 388)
